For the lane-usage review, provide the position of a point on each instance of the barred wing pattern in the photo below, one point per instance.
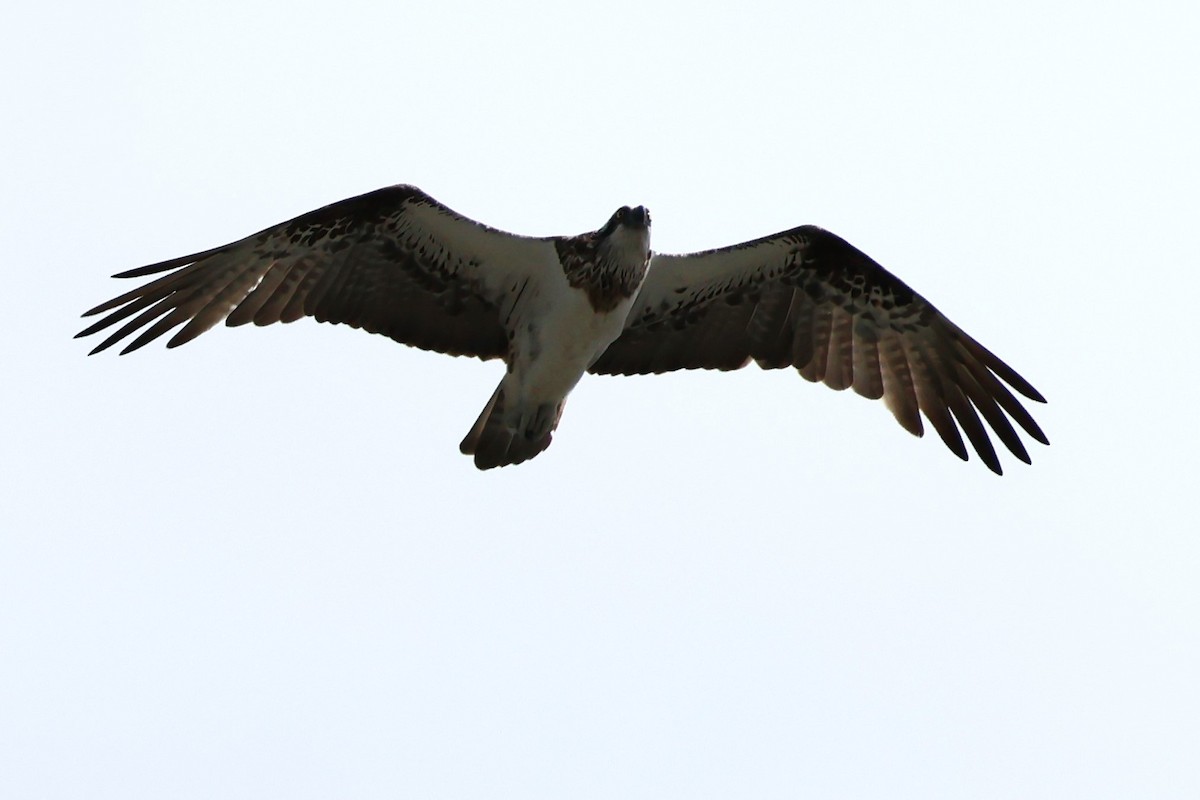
(393, 261)
(807, 299)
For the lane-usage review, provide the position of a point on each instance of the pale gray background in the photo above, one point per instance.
(258, 567)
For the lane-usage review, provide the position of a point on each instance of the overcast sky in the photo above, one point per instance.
(257, 566)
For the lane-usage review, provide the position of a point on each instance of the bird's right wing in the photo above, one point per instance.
(393, 261)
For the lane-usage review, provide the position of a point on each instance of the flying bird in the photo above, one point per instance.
(399, 263)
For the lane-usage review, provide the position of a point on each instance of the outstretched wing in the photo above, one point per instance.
(807, 299)
(393, 261)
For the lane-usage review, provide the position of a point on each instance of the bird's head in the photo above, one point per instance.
(627, 217)
(627, 231)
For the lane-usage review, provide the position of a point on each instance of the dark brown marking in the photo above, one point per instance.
(606, 283)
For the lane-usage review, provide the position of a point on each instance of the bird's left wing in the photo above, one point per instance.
(393, 261)
(806, 298)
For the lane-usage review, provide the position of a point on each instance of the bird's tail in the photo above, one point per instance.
(509, 436)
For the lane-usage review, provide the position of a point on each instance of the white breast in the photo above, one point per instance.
(555, 346)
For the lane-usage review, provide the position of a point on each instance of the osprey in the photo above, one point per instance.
(399, 263)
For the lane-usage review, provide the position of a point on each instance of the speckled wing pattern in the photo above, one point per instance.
(393, 261)
(805, 298)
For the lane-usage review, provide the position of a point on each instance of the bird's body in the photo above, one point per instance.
(547, 360)
(564, 330)
(398, 263)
